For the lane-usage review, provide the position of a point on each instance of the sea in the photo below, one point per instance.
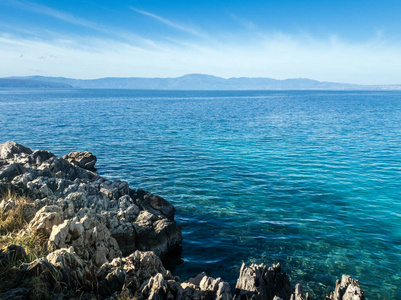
(307, 179)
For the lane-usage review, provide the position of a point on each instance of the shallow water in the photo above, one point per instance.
(308, 179)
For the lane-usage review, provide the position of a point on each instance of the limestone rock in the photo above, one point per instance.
(114, 189)
(90, 239)
(44, 220)
(85, 160)
(130, 272)
(155, 234)
(10, 149)
(39, 156)
(259, 282)
(202, 287)
(43, 270)
(347, 289)
(10, 171)
(156, 288)
(77, 270)
(138, 220)
(298, 293)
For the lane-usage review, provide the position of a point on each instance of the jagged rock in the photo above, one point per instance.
(347, 289)
(114, 189)
(7, 205)
(298, 293)
(90, 239)
(85, 160)
(44, 220)
(80, 273)
(155, 234)
(38, 188)
(11, 171)
(51, 180)
(39, 156)
(201, 287)
(259, 282)
(54, 165)
(130, 272)
(9, 149)
(155, 288)
(44, 271)
(12, 253)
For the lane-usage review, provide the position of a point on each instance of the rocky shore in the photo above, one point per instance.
(104, 240)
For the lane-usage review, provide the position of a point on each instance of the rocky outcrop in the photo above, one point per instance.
(80, 273)
(66, 189)
(261, 282)
(143, 273)
(347, 289)
(130, 272)
(11, 149)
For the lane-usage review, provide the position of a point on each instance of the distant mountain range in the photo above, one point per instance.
(186, 82)
(30, 83)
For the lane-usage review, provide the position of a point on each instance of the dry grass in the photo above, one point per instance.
(18, 217)
(11, 223)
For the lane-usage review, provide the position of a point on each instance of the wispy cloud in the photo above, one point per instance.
(45, 10)
(244, 23)
(71, 19)
(170, 23)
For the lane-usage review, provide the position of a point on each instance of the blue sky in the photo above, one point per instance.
(343, 41)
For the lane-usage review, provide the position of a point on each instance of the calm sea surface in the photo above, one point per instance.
(308, 179)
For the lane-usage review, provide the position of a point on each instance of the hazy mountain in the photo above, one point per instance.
(195, 82)
(31, 83)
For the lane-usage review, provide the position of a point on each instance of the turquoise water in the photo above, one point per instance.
(308, 179)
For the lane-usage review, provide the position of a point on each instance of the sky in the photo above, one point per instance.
(350, 41)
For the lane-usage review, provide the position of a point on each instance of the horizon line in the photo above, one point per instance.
(199, 74)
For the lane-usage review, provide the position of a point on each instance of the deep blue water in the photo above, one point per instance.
(308, 179)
